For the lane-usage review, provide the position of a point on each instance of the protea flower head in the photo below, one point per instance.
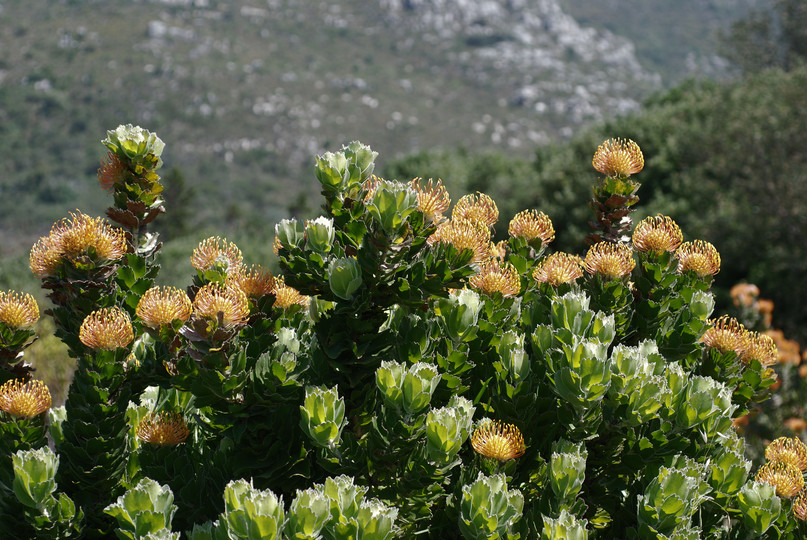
(286, 296)
(478, 208)
(465, 234)
(24, 399)
(727, 334)
(494, 276)
(433, 198)
(788, 450)
(163, 429)
(255, 281)
(699, 257)
(532, 224)
(761, 347)
(218, 254)
(161, 306)
(107, 329)
(618, 157)
(800, 505)
(657, 234)
(111, 172)
(224, 305)
(18, 311)
(499, 441)
(558, 268)
(744, 294)
(498, 250)
(609, 260)
(786, 478)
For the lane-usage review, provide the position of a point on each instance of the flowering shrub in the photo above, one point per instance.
(403, 376)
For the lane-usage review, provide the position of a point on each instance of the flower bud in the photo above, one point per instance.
(728, 472)
(319, 234)
(460, 313)
(376, 520)
(567, 469)
(391, 204)
(447, 429)
(309, 511)
(488, 509)
(566, 309)
(702, 304)
(704, 398)
(514, 357)
(759, 505)
(350, 166)
(146, 508)
(344, 277)
(419, 384)
(34, 476)
(565, 527)
(672, 497)
(134, 143)
(322, 416)
(582, 373)
(289, 233)
(251, 513)
(389, 379)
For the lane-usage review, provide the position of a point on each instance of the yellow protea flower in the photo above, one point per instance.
(286, 296)
(163, 429)
(788, 450)
(227, 305)
(618, 157)
(558, 268)
(744, 294)
(494, 276)
(800, 505)
(107, 329)
(761, 347)
(479, 208)
(532, 224)
(45, 257)
(216, 253)
(256, 281)
(727, 334)
(18, 311)
(433, 198)
(786, 478)
(499, 249)
(699, 257)
(24, 399)
(499, 441)
(111, 172)
(77, 234)
(609, 260)
(465, 234)
(369, 186)
(161, 306)
(658, 234)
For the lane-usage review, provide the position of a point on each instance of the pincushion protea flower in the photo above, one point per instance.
(107, 329)
(464, 234)
(24, 399)
(558, 268)
(479, 208)
(18, 311)
(216, 253)
(286, 296)
(786, 478)
(163, 429)
(618, 157)
(699, 257)
(161, 306)
(532, 224)
(727, 334)
(225, 305)
(494, 276)
(788, 450)
(609, 260)
(800, 505)
(255, 281)
(433, 198)
(761, 347)
(111, 172)
(499, 441)
(657, 234)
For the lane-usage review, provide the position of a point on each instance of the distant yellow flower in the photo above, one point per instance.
(618, 157)
(532, 224)
(256, 281)
(786, 478)
(494, 276)
(163, 429)
(788, 450)
(107, 329)
(111, 172)
(162, 306)
(609, 260)
(699, 257)
(499, 441)
(18, 311)
(216, 253)
(433, 198)
(658, 234)
(727, 334)
(465, 234)
(286, 296)
(224, 305)
(24, 400)
(478, 208)
(558, 268)
(800, 505)
(761, 347)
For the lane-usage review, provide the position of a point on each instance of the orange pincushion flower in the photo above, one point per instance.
(24, 400)
(433, 198)
(558, 268)
(216, 253)
(761, 347)
(45, 257)
(800, 505)
(699, 257)
(727, 334)
(225, 305)
(494, 276)
(498, 250)
(112, 171)
(18, 310)
(788, 450)
(286, 296)
(255, 281)
(478, 208)
(786, 478)
(618, 157)
(162, 306)
(532, 224)
(609, 260)
(744, 294)
(107, 329)
(499, 441)
(81, 232)
(163, 429)
(658, 234)
(464, 234)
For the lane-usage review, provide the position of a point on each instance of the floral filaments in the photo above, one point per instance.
(788, 450)
(433, 198)
(107, 329)
(163, 429)
(24, 400)
(499, 441)
(479, 208)
(618, 157)
(761, 347)
(111, 172)
(699, 257)
(227, 306)
(255, 282)
(800, 505)
(727, 334)
(532, 224)
(18, 311)
(786, 478)
(161, 306)
(218, 254)
(657, 234)
(465, 234)
(494, 276)
(558, 268)
(286, 296)
(609, 260)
